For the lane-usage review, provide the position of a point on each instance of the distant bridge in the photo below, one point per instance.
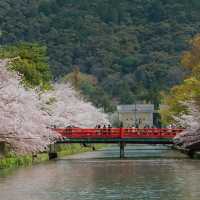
(121, 136)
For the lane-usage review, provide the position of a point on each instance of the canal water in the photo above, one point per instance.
(148, 173)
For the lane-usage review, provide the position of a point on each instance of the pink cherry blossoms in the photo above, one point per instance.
(22, 123)
(25, 115)
(191, 122)
(68, 108)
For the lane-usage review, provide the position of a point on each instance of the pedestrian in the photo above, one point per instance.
(109, 128)
(104, 129)
(99, 126)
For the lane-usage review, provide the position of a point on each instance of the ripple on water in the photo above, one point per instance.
(96, 176)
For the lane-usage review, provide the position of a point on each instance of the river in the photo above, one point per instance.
(149, 173)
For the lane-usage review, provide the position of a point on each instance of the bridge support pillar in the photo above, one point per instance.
(122, 153)
(52, 151)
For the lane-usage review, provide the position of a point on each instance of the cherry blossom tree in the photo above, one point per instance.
(23, 125)
(25, 115)
(191, 122)
(67, 107)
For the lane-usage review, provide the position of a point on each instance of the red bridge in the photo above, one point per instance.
(121, 136)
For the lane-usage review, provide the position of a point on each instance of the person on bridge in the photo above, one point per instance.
(109, 128)
(104, 129)
(98, 127)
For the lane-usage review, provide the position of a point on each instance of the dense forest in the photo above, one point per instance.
(125, 50)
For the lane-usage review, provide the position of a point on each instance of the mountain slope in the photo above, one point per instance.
(132, 47)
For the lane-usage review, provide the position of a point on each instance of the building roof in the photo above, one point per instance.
(136, 107)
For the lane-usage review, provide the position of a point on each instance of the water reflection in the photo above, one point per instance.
(167, 176)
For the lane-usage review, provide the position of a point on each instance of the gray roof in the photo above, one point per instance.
(136, 107)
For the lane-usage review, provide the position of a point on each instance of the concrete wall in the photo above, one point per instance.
(142, 119)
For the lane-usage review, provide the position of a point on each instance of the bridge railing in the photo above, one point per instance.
(151, 132)
(118, 132)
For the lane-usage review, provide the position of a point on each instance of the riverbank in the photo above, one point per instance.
(12, 161)
(193, 154)
(197, 155)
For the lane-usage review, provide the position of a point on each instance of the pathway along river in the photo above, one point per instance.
(150, 172)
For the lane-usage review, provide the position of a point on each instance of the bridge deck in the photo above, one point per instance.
(117, 135)
(118, 140)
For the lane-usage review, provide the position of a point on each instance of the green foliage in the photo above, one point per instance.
(89, 86)
(132, 44)
(64, 150)
(189, 90)
(30, 60)
(15, 161)
(11, 160)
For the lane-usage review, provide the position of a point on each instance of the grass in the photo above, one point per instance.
(15, 161)
(12, 161)
(74, 149)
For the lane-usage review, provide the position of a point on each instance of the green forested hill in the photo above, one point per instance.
(132, 47)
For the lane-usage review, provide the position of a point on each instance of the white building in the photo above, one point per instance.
(136, 115)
